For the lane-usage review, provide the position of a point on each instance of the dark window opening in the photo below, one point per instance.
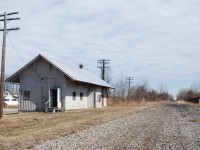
(26, 95)
(81, 96)
(74, 95)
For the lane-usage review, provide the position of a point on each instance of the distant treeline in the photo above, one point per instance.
(189, 94)
(139, 92)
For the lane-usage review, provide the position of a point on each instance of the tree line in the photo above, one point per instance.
(190, 93)
(138, 92)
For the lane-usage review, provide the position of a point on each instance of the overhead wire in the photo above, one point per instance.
(16, 49)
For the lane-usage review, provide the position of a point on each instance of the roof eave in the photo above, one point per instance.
(95, 84)
(16, 76)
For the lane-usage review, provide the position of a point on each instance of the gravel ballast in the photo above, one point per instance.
(168, 126)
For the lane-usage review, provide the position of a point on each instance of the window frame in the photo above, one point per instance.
(26, 95)
(74, 95)
(99, 98)
(81, 95)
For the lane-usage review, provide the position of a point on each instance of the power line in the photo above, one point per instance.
(16, 49)
(103, 63)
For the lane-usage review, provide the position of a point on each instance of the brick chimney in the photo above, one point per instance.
(81, 66)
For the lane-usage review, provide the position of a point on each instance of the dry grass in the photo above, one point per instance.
(181, 102)
(189, 103)
(194, 120)
(195, 104)
(24, 130)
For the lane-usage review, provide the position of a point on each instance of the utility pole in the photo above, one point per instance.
(129, 81)
(5, 30)
(103, 66)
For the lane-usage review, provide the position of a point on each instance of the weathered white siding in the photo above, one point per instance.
(98, 99)
(38, 79)
(93, 97)
(76, 103)
(104, 99)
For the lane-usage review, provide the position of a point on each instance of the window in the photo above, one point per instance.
(99, 98)
(74, 95)
(81, 96)
(26, 95)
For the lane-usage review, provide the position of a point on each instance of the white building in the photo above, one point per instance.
(8, 95)
(47, 83)
(9, 99)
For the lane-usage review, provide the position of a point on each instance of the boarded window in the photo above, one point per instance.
(81, 96)
(74, 95)
(26, 95)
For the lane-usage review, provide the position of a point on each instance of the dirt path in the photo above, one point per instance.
(164, 127)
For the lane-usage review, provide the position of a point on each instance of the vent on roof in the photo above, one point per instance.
(81, 66)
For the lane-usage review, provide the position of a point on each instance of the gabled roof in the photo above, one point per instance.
(72, 72)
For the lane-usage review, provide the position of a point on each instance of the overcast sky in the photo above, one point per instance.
(154, 40)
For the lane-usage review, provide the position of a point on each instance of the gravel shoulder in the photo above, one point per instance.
(163, 127)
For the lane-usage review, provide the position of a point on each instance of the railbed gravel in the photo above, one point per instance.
(164, 127)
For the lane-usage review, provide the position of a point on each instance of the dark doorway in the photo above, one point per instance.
(43, 93)
(53, 99)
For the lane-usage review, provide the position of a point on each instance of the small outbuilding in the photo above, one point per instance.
(49, 84)
(195, 99)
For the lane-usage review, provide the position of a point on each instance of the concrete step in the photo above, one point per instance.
(53, 109)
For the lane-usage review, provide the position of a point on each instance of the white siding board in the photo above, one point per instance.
(94, 103)
(98, 101)
(104, 92)
(77, 103)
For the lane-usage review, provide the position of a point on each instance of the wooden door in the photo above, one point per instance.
(46, 84)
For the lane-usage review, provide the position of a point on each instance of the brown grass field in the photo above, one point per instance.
(25, 130)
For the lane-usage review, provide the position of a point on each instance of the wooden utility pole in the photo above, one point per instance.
(129, 81)
(103, 66)
(5, 30)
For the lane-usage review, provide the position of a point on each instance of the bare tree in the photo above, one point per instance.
(121, 89)
(140, 92)
(195, 87)
(108, 77)
(163, 88)
(187, 94)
